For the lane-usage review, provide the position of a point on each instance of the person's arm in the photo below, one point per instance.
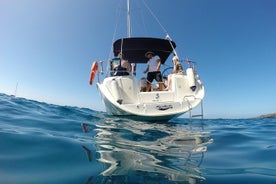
(158, 65)
(147, 69)
(174, 66)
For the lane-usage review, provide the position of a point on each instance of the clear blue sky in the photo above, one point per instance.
(48, 46)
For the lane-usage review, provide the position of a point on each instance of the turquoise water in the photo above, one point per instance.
(44, 143)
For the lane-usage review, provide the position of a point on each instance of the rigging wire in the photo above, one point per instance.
(156, 19)
(144, 23)
(118, 16)
(163, 28)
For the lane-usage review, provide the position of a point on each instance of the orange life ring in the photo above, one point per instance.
(93, 72)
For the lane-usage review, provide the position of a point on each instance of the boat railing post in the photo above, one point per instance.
(132, 68)
(102, 72)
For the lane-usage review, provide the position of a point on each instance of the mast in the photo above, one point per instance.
(14, 95)
(15, 89)
(128, 19)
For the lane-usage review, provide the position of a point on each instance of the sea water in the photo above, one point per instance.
(45, 143)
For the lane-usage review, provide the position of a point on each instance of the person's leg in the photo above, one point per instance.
(169, 83)
(161, 86)
(158, 78)
(148, 87)
(150, 77)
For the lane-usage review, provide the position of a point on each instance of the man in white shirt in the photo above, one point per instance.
(153, 70)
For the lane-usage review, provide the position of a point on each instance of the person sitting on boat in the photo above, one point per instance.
(153, 70)
(143, 84)
(125, 65)
(177, 69)
(124, 68)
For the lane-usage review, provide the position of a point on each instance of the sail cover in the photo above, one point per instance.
(134, 49)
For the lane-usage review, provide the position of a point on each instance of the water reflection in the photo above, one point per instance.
(137, 152)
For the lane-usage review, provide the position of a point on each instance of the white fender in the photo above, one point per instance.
(191, 78)
(116, 92)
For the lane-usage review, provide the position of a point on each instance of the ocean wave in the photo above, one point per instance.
(47, 143)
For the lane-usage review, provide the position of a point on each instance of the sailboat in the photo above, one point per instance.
(14, 95)
(123, 91)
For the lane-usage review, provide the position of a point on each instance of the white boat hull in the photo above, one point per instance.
(122, 97)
